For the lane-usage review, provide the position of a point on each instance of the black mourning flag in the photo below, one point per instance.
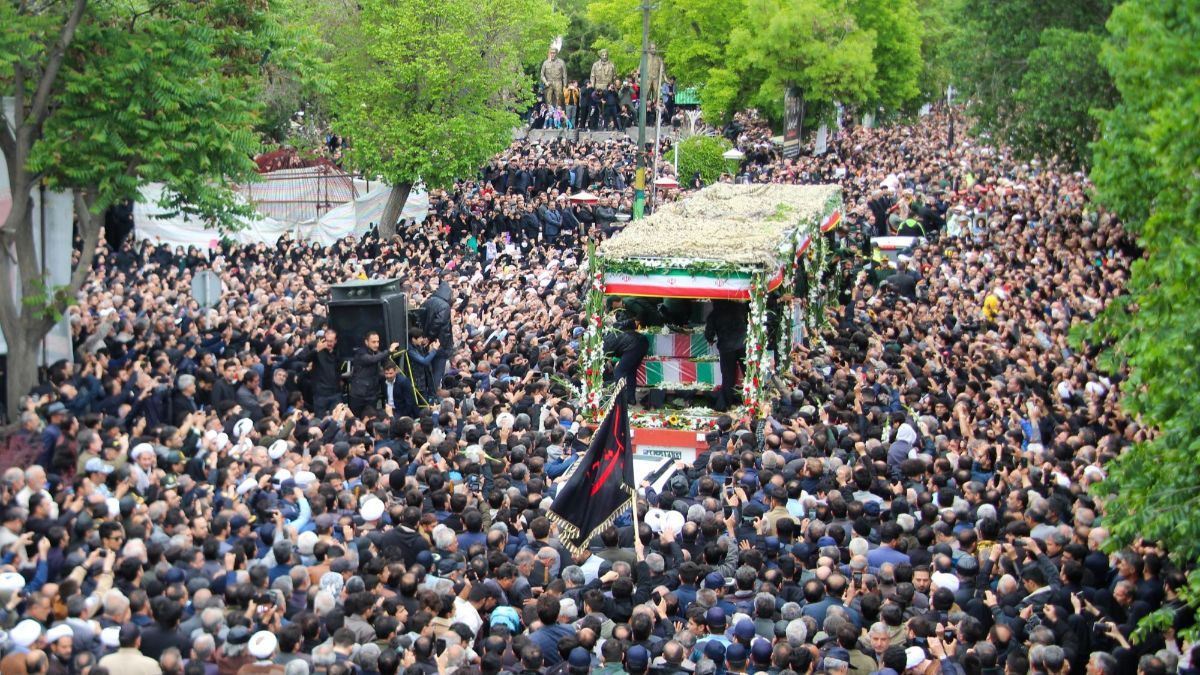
(600, 486)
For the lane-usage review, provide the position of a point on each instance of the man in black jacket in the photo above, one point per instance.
(630, 347)
(438, 328)
(366, 378)
(726, 325)
(226, 388)
(326, 375)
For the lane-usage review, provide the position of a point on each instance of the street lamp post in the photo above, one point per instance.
(639, 192)
(734, 155)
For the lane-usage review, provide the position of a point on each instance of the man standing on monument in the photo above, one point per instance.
(603, 71)
(554, 78)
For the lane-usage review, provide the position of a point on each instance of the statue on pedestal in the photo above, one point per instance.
(656, 72)
(554, 78)
(604, 72)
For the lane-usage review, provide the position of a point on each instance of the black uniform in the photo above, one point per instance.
(630, 347)
(727, 325)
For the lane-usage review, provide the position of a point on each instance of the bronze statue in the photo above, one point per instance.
(554, 78)
(603, 71)
(656, 72)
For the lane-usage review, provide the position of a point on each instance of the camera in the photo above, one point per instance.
(949, 635)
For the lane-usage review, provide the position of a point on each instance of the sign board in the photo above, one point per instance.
(654, 469)
(793, 121)
(670, 444)
(207, 288)
(821, 145)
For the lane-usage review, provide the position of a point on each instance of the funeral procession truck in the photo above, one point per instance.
(758, 244)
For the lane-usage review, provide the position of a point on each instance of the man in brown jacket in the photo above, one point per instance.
(128, 659)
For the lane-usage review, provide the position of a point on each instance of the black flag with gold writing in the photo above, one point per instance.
(600, 486)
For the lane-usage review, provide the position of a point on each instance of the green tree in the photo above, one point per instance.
(582, 37)
(1145, 171)
(1051, 123)
(812, 44)
(691, 35)
(430, 89)
(897, 54)
(702, 155)
(938, 22)
(993, 51)
(107, 97)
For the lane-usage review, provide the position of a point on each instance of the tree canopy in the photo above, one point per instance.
(746, 52)
(108, 97)
(1024, 52)
(1145, 171)
(431, 89)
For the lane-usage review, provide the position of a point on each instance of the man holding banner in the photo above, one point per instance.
(600, 486)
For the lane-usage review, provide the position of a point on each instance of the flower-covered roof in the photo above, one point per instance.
(737, 225)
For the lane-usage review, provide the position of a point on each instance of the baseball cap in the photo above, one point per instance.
(744, 630)
(715, 618)
(760, 651)
(714, 580)
(714, 650)
(735, 654)
(637, 657)
(579, 658)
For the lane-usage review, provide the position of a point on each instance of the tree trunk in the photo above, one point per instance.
(21, 373)
(391, 212)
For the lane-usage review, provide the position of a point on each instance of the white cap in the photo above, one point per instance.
(282, 475)
(141, 449)
(26, 633)
(505, 420)
(262, 645)
(653, 519)
(11, 582)
(59, 632)
(222, 441)
(246, 486)
(305, 542)
(913, 657)
(304, 478)
(278, 449)
(371, 509)
(243, 427)
(945, 580)
(111, 636)
(674, 521)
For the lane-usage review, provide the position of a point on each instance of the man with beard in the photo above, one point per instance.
(366, 380)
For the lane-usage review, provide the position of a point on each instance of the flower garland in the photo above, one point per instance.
(758, 356)
(591, 352)
(816, 318)
(686, 419)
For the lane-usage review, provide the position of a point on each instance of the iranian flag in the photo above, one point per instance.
(679, 371)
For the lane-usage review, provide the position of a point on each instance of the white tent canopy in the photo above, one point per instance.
(351, 218)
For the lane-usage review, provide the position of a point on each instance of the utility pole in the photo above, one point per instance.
(639, 193)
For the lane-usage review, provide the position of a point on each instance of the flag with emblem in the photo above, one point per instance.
(600, 486)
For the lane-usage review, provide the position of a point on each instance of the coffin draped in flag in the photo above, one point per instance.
(600, 485)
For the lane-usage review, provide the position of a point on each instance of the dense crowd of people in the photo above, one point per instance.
(197, 495)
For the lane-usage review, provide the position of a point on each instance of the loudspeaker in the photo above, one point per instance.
(359, 307)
